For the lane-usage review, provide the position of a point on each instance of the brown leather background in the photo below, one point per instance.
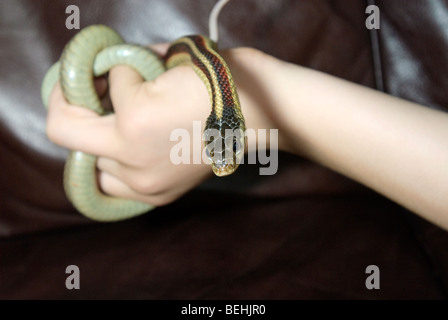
(304, 233)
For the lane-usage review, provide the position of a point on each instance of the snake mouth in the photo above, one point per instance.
(225, 161)
(223, 170)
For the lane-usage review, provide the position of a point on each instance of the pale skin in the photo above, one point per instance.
(390, 145)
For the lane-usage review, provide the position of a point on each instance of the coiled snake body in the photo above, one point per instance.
(93, 52)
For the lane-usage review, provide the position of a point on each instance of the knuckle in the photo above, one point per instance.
(132, 126)
(144, 186)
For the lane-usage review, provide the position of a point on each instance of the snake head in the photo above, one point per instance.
(224, 147)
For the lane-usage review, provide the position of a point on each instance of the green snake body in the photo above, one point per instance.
(93, 52)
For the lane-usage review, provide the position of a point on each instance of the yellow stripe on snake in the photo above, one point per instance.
(93, 52)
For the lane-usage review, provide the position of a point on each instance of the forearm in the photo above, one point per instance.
(393, 146)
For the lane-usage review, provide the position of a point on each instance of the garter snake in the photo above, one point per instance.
(96, 49)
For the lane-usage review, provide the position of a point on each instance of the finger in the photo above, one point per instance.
(124, 81)
(129, 175)
(78, 128)
(115, 187)
(111, 167)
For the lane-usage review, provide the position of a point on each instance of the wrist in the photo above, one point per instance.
(253, 71)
